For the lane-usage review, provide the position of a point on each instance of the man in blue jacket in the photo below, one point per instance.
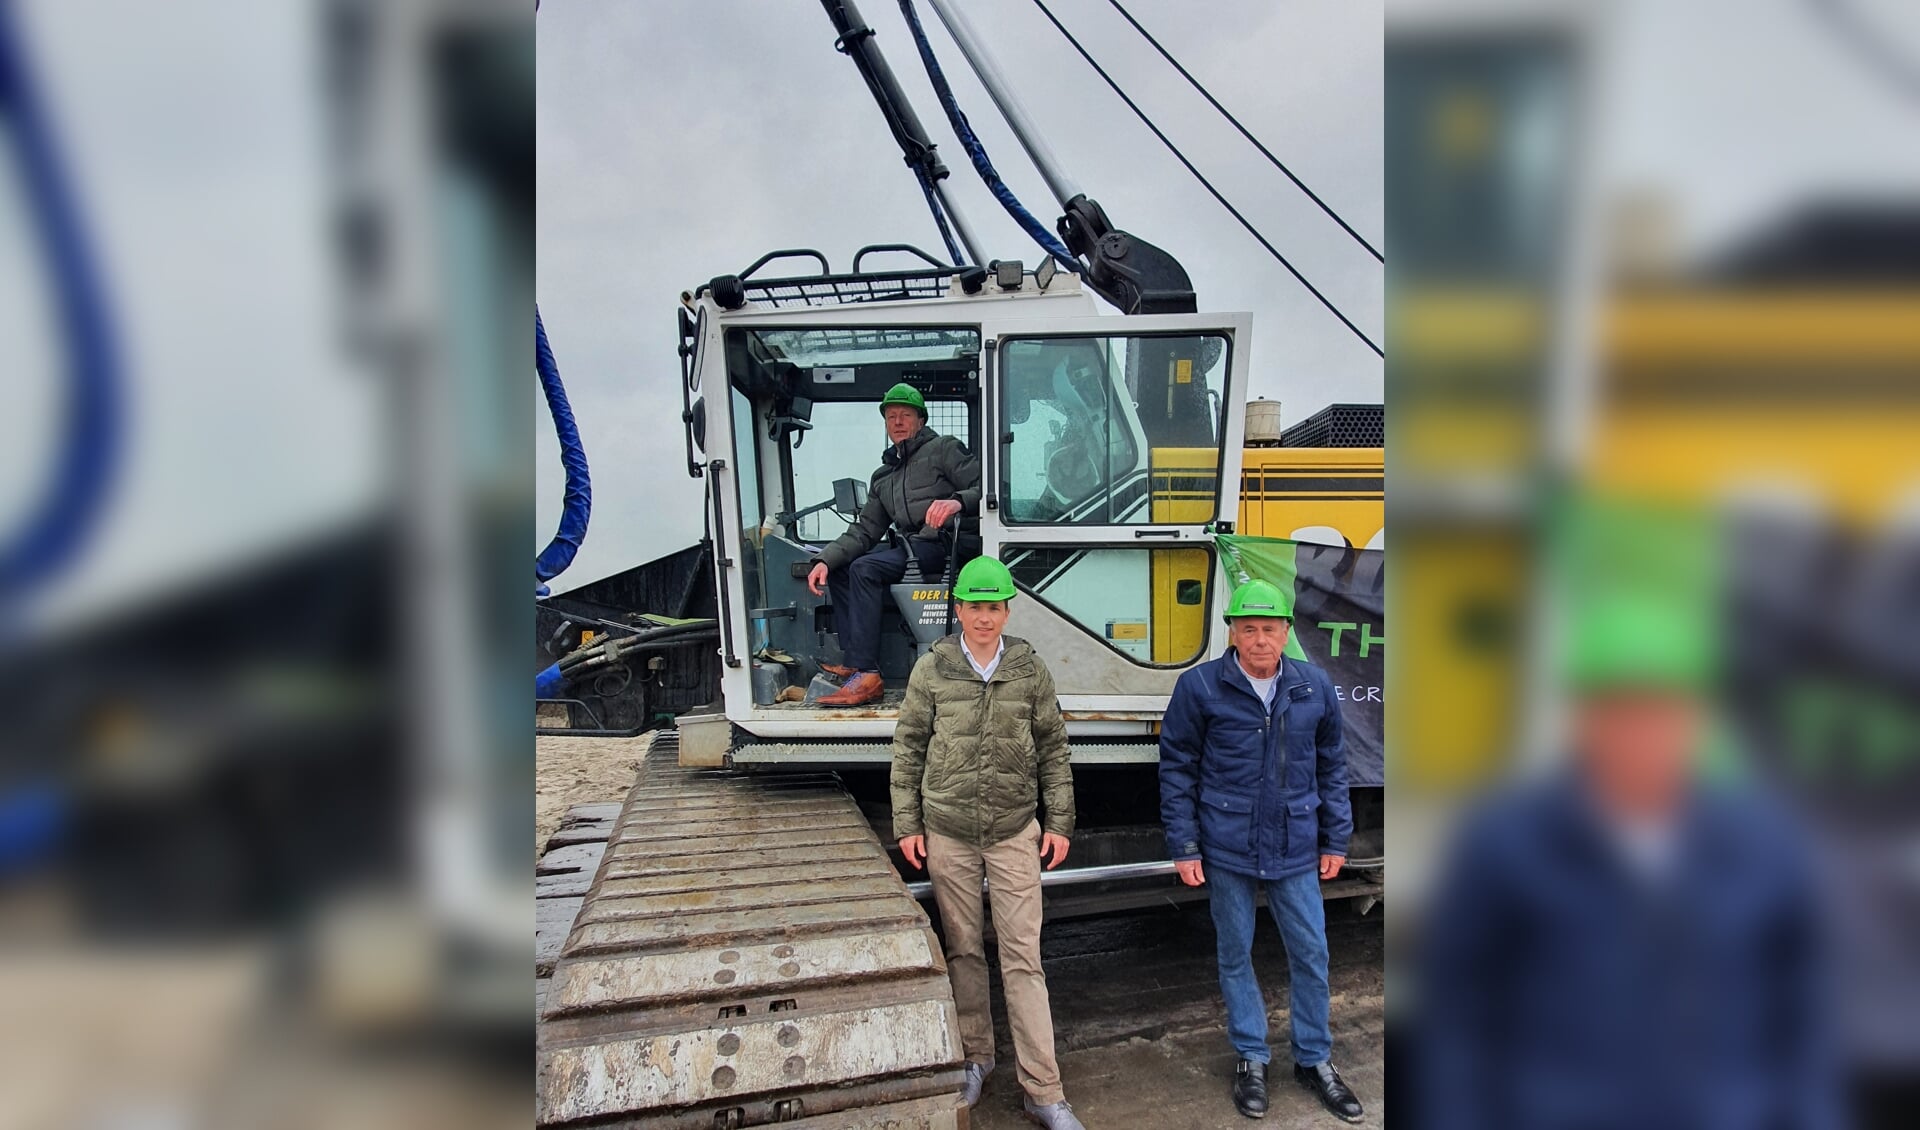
(1626, 942)
(1253, 794)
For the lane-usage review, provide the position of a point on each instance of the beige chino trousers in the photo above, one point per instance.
(1012, 869)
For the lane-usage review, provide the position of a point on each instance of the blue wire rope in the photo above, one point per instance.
(977, 152)
(54, 532)
(939, 217)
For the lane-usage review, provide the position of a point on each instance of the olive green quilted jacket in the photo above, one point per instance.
(971, 759)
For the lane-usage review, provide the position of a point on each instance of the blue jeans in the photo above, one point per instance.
(1296, 908)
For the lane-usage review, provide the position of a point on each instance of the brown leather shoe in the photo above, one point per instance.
(860, 690)
(838, 671)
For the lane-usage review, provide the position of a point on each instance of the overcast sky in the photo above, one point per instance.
(1738, 110)
(681, 140)
(192, 136)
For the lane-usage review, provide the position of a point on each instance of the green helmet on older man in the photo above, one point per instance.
(1259, 598)
(983, 578)
(1630, 640)
(1639, 588)
(906, 394)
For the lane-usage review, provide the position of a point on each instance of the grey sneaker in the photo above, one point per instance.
(976, 1082)
(1054, 1116)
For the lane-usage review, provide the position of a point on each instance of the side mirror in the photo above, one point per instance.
(802, 409)
(849, 495)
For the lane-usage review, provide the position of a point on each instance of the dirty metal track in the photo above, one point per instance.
(747, 955)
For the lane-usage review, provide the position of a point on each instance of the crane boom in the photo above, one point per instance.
(1135, 276)
(856, 41)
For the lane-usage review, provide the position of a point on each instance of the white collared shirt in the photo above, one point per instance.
(985, 670)
(1649, 847)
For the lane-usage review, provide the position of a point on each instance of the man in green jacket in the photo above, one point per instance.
(980, 747)
(925, 479)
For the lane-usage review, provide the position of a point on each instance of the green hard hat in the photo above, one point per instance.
(1639, 589)
(1260, 598)
(983, 578)
(906, 394)
(1638, 641)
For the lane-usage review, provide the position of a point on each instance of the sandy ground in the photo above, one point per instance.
(572, 771)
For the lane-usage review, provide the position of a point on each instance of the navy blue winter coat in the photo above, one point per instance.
(1562, 991)
(1256, 791)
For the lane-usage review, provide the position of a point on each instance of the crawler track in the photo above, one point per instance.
(746, 955)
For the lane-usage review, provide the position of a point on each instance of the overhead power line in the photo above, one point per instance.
(1873, 45)
(1246, 133)
(1207, 184)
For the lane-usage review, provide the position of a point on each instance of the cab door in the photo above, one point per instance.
(1113, 444)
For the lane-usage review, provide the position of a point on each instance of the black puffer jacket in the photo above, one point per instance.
(925, 469)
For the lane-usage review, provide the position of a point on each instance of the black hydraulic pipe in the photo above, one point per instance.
(856, 40)
(600, 652)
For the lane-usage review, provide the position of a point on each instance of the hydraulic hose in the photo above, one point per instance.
(573, 455)
(56, 527)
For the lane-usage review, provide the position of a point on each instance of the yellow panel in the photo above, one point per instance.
(1284, 489)
(1767, 327)
(1185, 483)
(1126, 629)
(1860, 464)
(1711, 393)
(1459, 606)
(1329, 460)
(1461, 325)
(1179, 629)
(1478, 438)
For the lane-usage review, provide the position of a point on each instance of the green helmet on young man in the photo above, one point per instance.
(983, 578)
(906, 394)
(1259, 598)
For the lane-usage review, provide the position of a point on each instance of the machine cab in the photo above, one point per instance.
(1108, 446)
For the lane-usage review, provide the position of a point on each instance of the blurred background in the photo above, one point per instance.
(266, 286)
(265, 503)
(1665, 255)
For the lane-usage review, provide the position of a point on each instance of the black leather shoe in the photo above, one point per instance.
(1250, 1089)
(1325, 1082)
